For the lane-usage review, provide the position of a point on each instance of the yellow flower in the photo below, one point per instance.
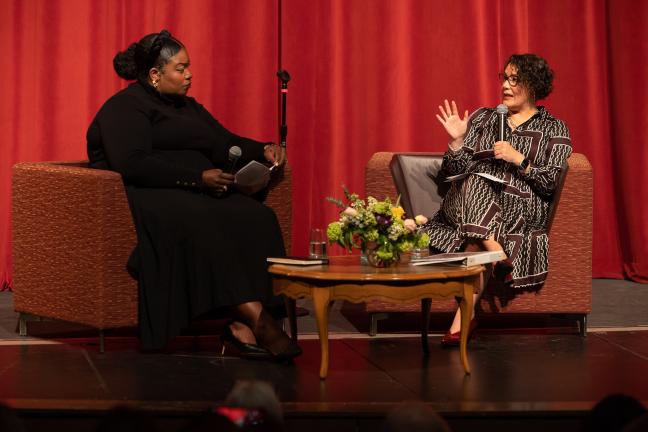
(397, 212)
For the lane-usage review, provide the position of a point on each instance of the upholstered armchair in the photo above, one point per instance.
(568, 289)
(72, 236)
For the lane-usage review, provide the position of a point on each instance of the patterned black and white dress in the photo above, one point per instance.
(514, 212)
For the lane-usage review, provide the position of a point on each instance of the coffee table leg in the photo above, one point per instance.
(466, 306)
(292, 319)
(321, 298)
(426, 305)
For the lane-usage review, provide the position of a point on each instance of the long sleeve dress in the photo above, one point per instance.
(515, 212)
(195, 252)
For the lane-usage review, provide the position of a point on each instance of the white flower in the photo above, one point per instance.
(410, 224)
(350, 211)
(420, 220)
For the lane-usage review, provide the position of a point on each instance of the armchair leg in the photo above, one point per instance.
(22, 325)
(375, 317)
(582, 325)
(102, 343)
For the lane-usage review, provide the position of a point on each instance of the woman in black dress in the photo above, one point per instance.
(482, 214)
(201, 245)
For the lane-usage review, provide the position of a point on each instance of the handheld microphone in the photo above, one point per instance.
(235, 153)
(502, 111)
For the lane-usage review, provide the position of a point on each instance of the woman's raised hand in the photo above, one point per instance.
(451, 121)
(217, 180)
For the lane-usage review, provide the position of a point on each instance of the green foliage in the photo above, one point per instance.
(376, 227)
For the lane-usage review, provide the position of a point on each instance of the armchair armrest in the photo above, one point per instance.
(72, 235)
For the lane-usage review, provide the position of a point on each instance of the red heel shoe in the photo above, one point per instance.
(502, 271)
(453, 339)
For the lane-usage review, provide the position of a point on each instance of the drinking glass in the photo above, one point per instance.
(317, 244)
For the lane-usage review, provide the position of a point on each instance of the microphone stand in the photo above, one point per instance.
(284, 76)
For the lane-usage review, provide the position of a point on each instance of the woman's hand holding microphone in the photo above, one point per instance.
(217, 180)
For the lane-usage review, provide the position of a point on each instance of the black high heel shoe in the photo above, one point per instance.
(245, 350)
(270, 336)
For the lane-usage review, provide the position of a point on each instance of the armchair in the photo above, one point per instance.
(72, 236)
(568, 289)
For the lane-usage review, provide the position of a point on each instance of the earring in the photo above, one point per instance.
(155, 84)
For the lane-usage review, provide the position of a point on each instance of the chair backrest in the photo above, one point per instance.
(417, 181)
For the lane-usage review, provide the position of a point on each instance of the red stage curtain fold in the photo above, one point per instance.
(59, 71)
(367, 76)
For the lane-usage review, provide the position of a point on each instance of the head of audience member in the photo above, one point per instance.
(257, 395)
(414, 417)
(126, 419)
(526, 79)
(639, 424)
(613, 413)
(9, 421)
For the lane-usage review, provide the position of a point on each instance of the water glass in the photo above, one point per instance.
(317, 244)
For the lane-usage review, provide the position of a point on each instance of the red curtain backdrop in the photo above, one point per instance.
(59, 58)
(370, 74)
(367, 76)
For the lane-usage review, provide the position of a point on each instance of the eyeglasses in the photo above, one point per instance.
(513, 80)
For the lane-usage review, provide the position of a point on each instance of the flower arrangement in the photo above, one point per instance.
(378, 228)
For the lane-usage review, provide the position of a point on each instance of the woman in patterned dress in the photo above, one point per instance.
(481, 214)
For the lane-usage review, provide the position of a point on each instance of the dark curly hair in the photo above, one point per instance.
(153, 50)
(534, 73)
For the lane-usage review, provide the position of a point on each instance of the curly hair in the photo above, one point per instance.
(153, 50)
(534, 73)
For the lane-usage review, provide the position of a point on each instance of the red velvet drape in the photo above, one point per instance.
(367, 76)
(59, 53)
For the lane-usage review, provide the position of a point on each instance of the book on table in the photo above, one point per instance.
(297, 260)
(465, 259)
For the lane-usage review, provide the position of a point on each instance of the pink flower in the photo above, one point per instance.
(410, 224)
(420, 220)
(350, 211)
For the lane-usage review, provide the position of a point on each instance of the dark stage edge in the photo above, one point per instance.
(531, 381)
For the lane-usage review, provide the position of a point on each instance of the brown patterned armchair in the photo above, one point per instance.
(568, 289)
(72, 236)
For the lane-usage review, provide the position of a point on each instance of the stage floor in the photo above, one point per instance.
(529, 372)
(553, 375)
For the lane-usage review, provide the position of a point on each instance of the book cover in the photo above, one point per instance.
(461, 258)
(252, 177)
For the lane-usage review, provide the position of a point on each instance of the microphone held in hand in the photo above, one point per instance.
(502, 111)
(235, 153)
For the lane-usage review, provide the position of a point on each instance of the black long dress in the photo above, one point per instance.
(195, 253)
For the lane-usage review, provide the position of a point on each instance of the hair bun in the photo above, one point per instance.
(158, 43)
(125, 62)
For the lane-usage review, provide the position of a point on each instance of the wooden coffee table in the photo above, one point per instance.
(345, 279)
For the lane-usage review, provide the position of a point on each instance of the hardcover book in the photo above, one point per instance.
(465, 259)
(297, 260)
